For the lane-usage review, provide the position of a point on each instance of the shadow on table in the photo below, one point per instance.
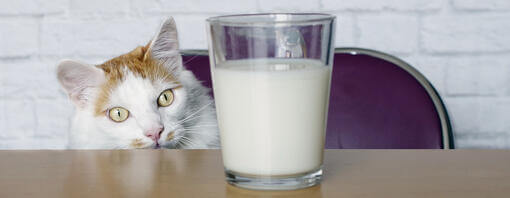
(232, 191)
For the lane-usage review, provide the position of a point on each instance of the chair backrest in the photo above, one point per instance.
(377, 102)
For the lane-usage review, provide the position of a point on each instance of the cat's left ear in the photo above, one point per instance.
(165, 46)
(80, 81)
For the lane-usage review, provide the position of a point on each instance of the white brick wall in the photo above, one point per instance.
(32, 7)
(19, 37)
(460, 33)
(391, 33)
(385, 5)
(461, 46)
(475, 5)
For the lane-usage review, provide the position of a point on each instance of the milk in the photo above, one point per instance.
(272, 114)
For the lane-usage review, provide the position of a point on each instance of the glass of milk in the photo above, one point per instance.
(271, 77)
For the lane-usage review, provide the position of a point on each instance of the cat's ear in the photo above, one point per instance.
(165, 46)
(79, 80)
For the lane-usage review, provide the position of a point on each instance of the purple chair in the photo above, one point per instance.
(377, 102)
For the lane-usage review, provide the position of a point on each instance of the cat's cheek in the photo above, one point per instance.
(179, 101)
(120, 130)
(106, 122)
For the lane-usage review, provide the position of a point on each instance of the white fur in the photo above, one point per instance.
(191, 116)
(139, 95)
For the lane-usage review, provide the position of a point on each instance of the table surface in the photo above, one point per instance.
(199, 173)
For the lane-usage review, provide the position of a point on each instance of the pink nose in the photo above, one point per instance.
(154, 133)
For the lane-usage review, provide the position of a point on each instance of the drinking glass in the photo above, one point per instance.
(271, 80)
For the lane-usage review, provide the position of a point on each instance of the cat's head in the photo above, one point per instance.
(142, 99)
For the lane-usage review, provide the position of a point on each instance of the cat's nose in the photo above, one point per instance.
(154, 133)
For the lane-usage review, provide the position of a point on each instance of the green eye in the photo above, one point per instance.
(166, 98)
(118, 114)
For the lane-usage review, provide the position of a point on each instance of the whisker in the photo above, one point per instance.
(187, 141)
(190, 59)
(202, 134)
(189, 119)
(199, 126)
(196, 129)
(179, 143)
(194, 113)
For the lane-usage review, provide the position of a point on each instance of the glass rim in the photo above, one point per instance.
(262, 18)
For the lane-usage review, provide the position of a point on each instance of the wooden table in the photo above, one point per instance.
(199, 173)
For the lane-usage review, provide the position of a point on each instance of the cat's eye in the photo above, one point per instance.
(166, 98)
(118, 114)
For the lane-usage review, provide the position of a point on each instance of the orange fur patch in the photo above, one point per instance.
(140, 62)
(137, 143)
(170, 136)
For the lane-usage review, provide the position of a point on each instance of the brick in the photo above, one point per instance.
(414, 5)
(32, 79)
(108, 7)
(476, 5)
(34, 143)
(146, 6)
(196, 6)
(288, 5)
(19, 119)
(388, 33)
(192, 31)
(351, 5)
(477, 114)
(31, 7)
(18, 37)
(345, 31)
(478, 76)
(368, 5)
(482, 140)
(466, 33)
(464, 113)
(494, 114)
(53, 117)
(95, 37)
(14, 80)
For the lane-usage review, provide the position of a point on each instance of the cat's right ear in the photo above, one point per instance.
(79, 80)
(165, 46)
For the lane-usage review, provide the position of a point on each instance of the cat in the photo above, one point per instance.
(143, 99)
